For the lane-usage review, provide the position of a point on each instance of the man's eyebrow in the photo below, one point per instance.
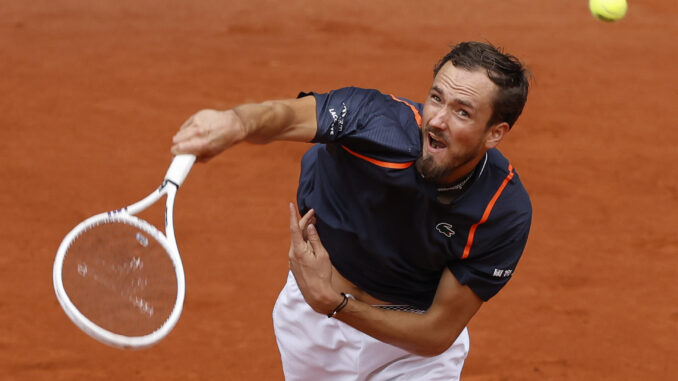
(465, 103)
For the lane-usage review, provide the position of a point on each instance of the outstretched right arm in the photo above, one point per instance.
(209, 132)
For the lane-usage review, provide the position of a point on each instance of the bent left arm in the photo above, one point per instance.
(427, 334)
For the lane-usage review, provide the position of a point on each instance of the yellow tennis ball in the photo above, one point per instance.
(608, 10)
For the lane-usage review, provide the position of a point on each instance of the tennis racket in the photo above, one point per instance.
(120, 279)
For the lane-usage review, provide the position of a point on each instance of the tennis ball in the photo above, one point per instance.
(608, 10)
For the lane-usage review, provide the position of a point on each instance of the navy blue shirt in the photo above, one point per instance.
(383, 224)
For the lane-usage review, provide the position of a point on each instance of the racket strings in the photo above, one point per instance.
(120, 277)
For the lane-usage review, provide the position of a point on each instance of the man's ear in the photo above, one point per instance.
(495, 134)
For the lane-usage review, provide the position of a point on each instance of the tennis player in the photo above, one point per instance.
(412, 218)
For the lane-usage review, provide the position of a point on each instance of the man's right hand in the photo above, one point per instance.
(207, 133)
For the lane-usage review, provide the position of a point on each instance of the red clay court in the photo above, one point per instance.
(92, 93)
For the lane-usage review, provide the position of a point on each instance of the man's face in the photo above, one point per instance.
(454, 129)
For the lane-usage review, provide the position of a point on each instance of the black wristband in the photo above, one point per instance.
(340, 306)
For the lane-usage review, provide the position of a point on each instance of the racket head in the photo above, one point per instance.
(135, 308)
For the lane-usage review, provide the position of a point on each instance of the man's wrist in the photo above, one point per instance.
(239, 113)
(344, 301)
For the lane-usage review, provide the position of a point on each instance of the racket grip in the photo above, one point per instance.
(179, 168)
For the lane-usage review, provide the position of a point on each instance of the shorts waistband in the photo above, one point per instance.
(399, 307)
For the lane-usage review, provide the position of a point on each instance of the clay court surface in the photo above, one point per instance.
(92, 92)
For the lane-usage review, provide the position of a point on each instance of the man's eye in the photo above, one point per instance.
(463, 113)
(435, 97)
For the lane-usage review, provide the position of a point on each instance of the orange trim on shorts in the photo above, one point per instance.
(385, 164)
(417, 116)
(486, 215)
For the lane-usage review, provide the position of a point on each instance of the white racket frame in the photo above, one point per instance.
(176, 174)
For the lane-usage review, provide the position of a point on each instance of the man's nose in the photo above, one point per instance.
(439, 119)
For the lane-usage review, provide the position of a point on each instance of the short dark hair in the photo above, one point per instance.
(504, 70)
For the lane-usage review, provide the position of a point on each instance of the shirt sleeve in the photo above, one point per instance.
(341, 113)
(368, 122)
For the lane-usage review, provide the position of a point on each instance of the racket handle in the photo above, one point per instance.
(179, 168)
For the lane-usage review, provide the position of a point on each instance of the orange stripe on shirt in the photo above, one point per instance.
(486, 215)
(385, 164)
(417, 116)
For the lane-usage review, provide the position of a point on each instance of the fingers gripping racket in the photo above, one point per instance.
(120, 279)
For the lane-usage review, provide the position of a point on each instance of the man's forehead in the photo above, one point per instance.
(474, 83)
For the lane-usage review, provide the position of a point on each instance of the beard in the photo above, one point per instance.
(431, 171)
(439, 173)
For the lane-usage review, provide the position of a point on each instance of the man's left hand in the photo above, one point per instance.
(310, 264)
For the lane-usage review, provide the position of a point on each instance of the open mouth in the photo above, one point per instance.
(435, 142)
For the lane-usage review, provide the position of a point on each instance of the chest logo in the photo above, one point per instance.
(445, 229)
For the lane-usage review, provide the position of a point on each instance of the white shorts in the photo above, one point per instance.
(314, 347)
